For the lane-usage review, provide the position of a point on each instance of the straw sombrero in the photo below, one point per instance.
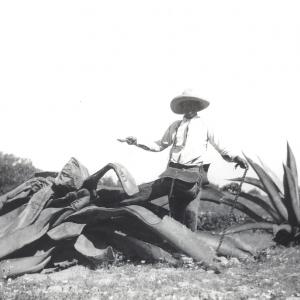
(184, 97)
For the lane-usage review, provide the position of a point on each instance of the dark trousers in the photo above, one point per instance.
(183, 201)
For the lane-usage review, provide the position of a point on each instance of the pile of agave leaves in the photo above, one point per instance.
(54, 220)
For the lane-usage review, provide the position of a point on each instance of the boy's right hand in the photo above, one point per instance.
(130, 140)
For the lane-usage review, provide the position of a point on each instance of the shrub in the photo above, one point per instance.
(13, 171)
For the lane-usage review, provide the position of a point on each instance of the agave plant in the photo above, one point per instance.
(282, 201)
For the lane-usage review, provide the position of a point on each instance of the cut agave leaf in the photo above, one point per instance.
(32, 210)
(66, 230)
(291, 196)
(230, 247)
(20, 238)
(18, 266)
(250, 226)
(271, 189)
(136, 248)
(71, 177)
(95, 249)
(126, 179)
(25, 189)
(7, 219)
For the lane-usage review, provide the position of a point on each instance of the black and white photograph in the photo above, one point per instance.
(149, 149)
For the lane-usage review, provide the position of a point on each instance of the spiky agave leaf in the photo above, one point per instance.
(291, 162)
(243, 208)
(264, 205)
(252, 181)
(271, 189)
(272, 174)
(211, 194)
(291, 194)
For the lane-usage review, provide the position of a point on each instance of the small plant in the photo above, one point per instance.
(232, 188)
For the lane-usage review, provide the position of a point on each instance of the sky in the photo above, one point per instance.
(77, 75)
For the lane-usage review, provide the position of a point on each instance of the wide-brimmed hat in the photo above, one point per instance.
(185, 97)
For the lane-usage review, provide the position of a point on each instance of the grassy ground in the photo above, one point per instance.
(273, 276)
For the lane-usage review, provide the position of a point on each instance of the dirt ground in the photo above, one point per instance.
(275, 275)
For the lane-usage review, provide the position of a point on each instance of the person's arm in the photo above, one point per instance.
(158, 145)
(225, 152)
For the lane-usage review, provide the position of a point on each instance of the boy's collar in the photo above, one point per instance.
(194, 117)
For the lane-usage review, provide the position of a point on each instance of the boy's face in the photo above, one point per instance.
(189, 108)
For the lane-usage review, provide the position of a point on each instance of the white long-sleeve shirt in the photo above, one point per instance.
(189, 139)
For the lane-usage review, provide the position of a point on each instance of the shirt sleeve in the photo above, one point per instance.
(224, 150)
(161, 144)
